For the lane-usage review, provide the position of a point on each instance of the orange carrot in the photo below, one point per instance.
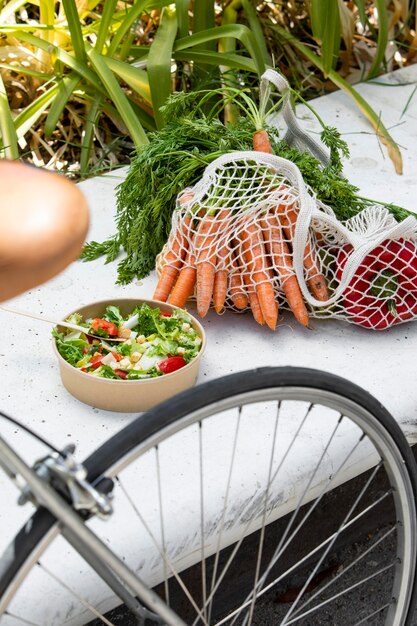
(236, 286)
(256, 261)
(184, 286)
(315, 279)
(261, 142)
(219, 290)
(174, 257)
(220, 279)
(221, 276)
(206, 244)
(279, 252)
(253, 300)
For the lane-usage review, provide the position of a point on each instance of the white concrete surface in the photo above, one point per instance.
(384, 363)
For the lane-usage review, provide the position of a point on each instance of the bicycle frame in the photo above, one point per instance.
(109, 567)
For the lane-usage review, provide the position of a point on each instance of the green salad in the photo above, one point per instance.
(154, 343)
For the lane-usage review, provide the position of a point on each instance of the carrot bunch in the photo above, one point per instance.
(241, 260)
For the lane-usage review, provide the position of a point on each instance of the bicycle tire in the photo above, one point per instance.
(198, 399)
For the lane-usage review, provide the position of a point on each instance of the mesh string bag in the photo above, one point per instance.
(271, 244)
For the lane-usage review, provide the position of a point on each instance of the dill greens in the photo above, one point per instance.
(176, 158)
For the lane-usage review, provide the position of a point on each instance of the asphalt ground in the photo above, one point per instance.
(350, 608)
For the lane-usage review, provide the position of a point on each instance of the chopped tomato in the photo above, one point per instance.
(108, 327)
(117, 356)
(121, 374)
(165, 314)
(96, 361)
(84, 369)
(171, 364)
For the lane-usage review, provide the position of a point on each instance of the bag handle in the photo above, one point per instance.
(295, 135)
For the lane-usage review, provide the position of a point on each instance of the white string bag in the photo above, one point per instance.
(254, 220)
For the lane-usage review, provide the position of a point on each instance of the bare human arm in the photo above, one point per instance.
(43, 225)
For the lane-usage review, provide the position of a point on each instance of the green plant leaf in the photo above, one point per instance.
(66, 87)
(30, 115)
(103, 34)
(181, 8)
(27, 71)
(160, 62)
(144, 117)
(63, 56)
(381, 132)
(132, 16)
(347, 26)
(10, 9)
(325, 24)
(256, 28)
(229, 17)
(203, 16)
(74, 26)
(9, 28)
(10, 146)
(383, 28)
(230, 60)
(136, 78)
(362, 11)
(88, 134)
(119, 99)
(47, 17)
(238, 31)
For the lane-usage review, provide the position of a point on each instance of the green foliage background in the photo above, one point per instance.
(82, 81)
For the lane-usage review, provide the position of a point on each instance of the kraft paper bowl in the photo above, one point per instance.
(128, 396)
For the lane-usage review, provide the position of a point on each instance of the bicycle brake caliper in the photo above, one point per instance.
(69, 477)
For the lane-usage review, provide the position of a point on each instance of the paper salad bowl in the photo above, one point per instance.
(128, 396)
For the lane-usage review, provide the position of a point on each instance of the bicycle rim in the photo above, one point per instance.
(233, 478)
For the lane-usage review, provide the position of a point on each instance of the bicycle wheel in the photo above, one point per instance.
(273, 496)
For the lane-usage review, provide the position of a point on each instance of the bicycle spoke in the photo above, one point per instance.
(346, 569)
(225, 506)
(306, 557)
(249, 616)
(247, 525)
(338, 595)
(325, 553)
(77, 596)
(163, 555)
(365, 619)
(281, 548)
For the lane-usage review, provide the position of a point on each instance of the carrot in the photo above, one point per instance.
(236, 286)
(219, 290)
(254, 254)
(206, 244)
(174, 257)
(184, 286)
(315, 279)
(261, 142)
(220, 279)
(221, 276)
(279, 252)
(253, 300)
